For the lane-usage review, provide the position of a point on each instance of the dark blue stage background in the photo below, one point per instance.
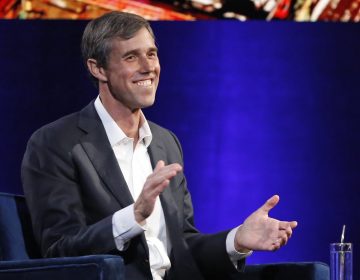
(260, 108)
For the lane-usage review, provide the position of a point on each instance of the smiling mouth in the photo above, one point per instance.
(144, 83)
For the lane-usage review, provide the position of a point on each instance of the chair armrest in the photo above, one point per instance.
(94, 267)
(287, 271)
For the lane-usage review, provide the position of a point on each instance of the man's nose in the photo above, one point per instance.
(147, 65)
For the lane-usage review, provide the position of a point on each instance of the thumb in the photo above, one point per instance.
(159, 165)
(270, 204)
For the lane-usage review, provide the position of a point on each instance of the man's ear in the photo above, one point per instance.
(96, 70)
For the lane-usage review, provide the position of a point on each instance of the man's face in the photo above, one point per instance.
(133, 70)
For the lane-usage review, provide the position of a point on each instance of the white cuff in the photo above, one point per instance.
(234, 255)
(125, 227)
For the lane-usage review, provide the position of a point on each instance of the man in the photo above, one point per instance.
(106, 180)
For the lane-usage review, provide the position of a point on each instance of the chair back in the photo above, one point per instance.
(17, 241)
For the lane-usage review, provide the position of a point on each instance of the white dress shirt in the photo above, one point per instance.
(136, 166)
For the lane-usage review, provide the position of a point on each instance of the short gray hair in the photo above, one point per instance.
(100, 32)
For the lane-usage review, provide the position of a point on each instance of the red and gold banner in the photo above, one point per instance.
(297, 10)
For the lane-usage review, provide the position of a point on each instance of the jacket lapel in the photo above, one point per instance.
(99, 151)
(179, 250)
(157, 151)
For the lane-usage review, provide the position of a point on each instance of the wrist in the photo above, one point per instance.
(239, 247)
(140, 219)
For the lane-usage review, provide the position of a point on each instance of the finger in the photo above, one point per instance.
(164, 174)
(288, 232)
(275, 246)
(270, 204)
(161, 187)
(284, 225)
(153, 192)
(287, 225)
(293, 224)
(169, 170)
(174, 166)
(162, 168)
(159, 165)
(283, 238)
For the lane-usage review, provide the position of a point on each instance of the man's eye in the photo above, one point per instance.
(130, 58)
(153, 54)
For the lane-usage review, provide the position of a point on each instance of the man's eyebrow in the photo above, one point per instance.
(153, 49)
(137, 51)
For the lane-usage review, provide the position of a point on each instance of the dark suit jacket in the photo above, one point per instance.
(73, 185)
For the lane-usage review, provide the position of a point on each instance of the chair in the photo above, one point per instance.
(20, 257)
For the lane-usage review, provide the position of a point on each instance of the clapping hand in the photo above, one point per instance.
(155, 184)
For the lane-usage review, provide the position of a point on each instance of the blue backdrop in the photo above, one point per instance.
(260, 109)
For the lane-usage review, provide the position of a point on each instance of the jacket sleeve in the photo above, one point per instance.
(53, 194)
(208, 250)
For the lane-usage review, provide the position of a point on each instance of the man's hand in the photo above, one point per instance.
(153, 187)
(260, 232)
